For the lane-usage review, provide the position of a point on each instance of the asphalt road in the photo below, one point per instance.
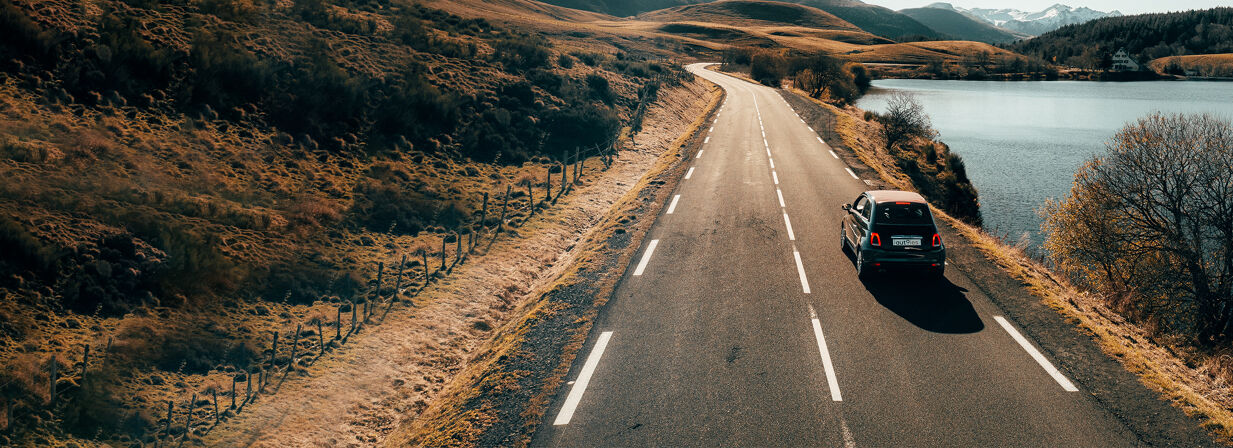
(733, 327)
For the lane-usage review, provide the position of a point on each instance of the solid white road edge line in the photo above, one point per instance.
(672, 206)
(690, 173)
(788, 223)
(584, 378)
(834, 155)
(646, 256)
(1040, 359)
(849, 170)
(800, 269)
(780, 193)
(831, 380)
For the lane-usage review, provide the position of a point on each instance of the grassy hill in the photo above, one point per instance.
(184, 177)
(751, 13)
(1205, 65)
(958, 26)
(874, 19)
(622, 8)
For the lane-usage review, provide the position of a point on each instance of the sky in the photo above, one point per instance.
(1125, 6)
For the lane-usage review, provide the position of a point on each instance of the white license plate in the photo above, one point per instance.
(906, 242)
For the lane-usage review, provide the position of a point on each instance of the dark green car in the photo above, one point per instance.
(892, 229)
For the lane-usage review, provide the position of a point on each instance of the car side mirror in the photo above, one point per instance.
(847, 207)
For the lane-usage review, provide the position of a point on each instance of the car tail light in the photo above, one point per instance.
(937, 240)
(874, 239)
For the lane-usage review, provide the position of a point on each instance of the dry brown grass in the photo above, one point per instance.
(1215, 65)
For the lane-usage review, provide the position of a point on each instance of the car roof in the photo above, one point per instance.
(880, 196)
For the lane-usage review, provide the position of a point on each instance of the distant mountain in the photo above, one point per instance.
(622, 8)
(1031, 23)
(871, 18)
(959, 26)
(1145, 37)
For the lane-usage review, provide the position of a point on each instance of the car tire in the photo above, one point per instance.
(843, 240)
(939, 273)
(863, 271)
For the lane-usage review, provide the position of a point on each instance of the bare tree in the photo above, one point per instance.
(1151, 220)
(904, 119)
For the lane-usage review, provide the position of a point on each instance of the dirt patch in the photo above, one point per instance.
(390, 373)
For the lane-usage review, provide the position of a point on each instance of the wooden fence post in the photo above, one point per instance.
(170, 406)
(321, 336)
(531, 198)
(484, 211)
(273, 348)
(398, 279)
(504, 205)
(458, 246)
(442, 254)
(295, 345)
(548, 185)
(424, 253)
(217, 416)
(377, 292)
(233, 381)
(188, 423)
(107, 352)
(564, 164)
(338, 323)
(578, 164)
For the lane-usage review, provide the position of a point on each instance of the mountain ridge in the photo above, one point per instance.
(1030, 23)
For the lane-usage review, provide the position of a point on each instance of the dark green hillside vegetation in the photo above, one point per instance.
(819, 75)
(1146, 37)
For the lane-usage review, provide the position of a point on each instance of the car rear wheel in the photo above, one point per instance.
(863, 270)
(843, 240)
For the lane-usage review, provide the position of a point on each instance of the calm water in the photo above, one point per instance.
(1023, 141)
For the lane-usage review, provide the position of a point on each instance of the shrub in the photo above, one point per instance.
(224, 75)
(904, 119)
(521, 52)
(600, 89)
(767, 68)
(565, 61)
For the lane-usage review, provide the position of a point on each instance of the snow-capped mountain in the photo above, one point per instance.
(1034, 23)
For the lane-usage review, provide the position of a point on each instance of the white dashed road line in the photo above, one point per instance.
(776, 176)
(699, 156)
(849, 170)
(834, 155)
(707, 140)
(646, 256)
(831, 379)
(788, 223)
(1040, 359)
(690, 173)
(800, 269)
(672, 207)
(780, 193)
(584, 378)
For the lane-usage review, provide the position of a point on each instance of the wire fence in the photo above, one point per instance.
(204, 407)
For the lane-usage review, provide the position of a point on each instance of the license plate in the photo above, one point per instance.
(912, 242)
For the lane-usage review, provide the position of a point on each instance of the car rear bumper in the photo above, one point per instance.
(924, 259)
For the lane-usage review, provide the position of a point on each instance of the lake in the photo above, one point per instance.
(1023, 141)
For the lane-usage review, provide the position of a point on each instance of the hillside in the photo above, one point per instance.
(185, 178)
(874, 19)
(1146, 37)
(958, 26)
(1203, 65)
(622, 8)
(745, 13)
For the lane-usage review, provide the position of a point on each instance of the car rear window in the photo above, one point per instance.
(904, 213)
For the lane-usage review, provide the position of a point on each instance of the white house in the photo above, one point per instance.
(1123, 63)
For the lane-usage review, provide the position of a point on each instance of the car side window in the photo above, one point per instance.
(868, 211)
(863, 208)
